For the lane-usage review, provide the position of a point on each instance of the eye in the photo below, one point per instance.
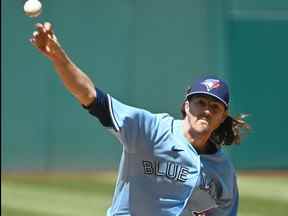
(215, 107)
(201, 102)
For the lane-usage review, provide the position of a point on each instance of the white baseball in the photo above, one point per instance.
(32, 8)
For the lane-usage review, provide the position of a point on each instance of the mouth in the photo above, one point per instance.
(204, 120)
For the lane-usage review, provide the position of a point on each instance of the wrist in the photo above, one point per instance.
(60, 57)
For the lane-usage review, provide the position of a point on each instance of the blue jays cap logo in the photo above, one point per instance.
(211, 84)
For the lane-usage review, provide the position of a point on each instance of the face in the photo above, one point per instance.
(204, 113)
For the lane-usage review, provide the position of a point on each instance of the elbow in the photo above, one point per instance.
(88, 97)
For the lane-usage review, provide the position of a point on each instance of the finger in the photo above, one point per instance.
(38, 45)
(40, 28)
(35, 34)
(32, 40)
(48, 28)
(38, 25)
(38, 39)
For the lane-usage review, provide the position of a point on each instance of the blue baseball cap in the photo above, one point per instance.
(210, 85)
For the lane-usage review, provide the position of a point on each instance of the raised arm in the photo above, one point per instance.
(75, 80)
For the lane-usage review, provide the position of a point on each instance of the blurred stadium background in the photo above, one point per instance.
(57, 160)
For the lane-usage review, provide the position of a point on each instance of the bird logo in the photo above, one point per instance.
(211, 84)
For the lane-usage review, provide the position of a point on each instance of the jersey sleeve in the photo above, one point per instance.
(132, 126)
(235, 201)
(231, 209)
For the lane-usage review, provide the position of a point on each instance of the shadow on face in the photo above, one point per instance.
(205, 112)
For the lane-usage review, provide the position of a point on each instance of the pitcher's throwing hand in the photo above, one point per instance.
(45, 41)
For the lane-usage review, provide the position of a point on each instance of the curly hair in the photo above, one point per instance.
(229, 132)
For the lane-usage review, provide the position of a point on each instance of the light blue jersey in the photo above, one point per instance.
(160, 172)
(217, 194)
(159, 168)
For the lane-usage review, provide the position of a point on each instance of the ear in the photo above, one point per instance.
(186, 107)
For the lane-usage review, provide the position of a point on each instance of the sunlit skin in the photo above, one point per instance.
(203, 115)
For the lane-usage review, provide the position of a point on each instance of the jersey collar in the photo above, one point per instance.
(178, 132)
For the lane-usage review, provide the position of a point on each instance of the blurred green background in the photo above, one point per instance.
(144, 53)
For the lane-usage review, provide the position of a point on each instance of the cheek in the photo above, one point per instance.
(191, 116)
(195, 110)
(217, 120)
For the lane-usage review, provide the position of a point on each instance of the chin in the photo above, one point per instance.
(202, 129)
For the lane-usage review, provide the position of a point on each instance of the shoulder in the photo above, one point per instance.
(164, 121)
(226, 160)
(220, 157)
(162, 126)
(219, 163)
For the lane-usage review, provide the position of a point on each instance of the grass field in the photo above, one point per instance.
(91, 194)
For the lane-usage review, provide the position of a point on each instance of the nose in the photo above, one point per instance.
(207, 111)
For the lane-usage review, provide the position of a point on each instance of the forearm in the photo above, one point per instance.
(75, 80)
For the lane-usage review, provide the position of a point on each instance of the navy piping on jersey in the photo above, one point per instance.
(101, 108)
(172, 125)
(112, 116)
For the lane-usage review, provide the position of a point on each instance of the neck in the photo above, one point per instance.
(198, 140)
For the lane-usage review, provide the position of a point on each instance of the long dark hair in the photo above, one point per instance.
(229, 132)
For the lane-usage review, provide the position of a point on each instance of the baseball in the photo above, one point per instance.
(32, 8)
